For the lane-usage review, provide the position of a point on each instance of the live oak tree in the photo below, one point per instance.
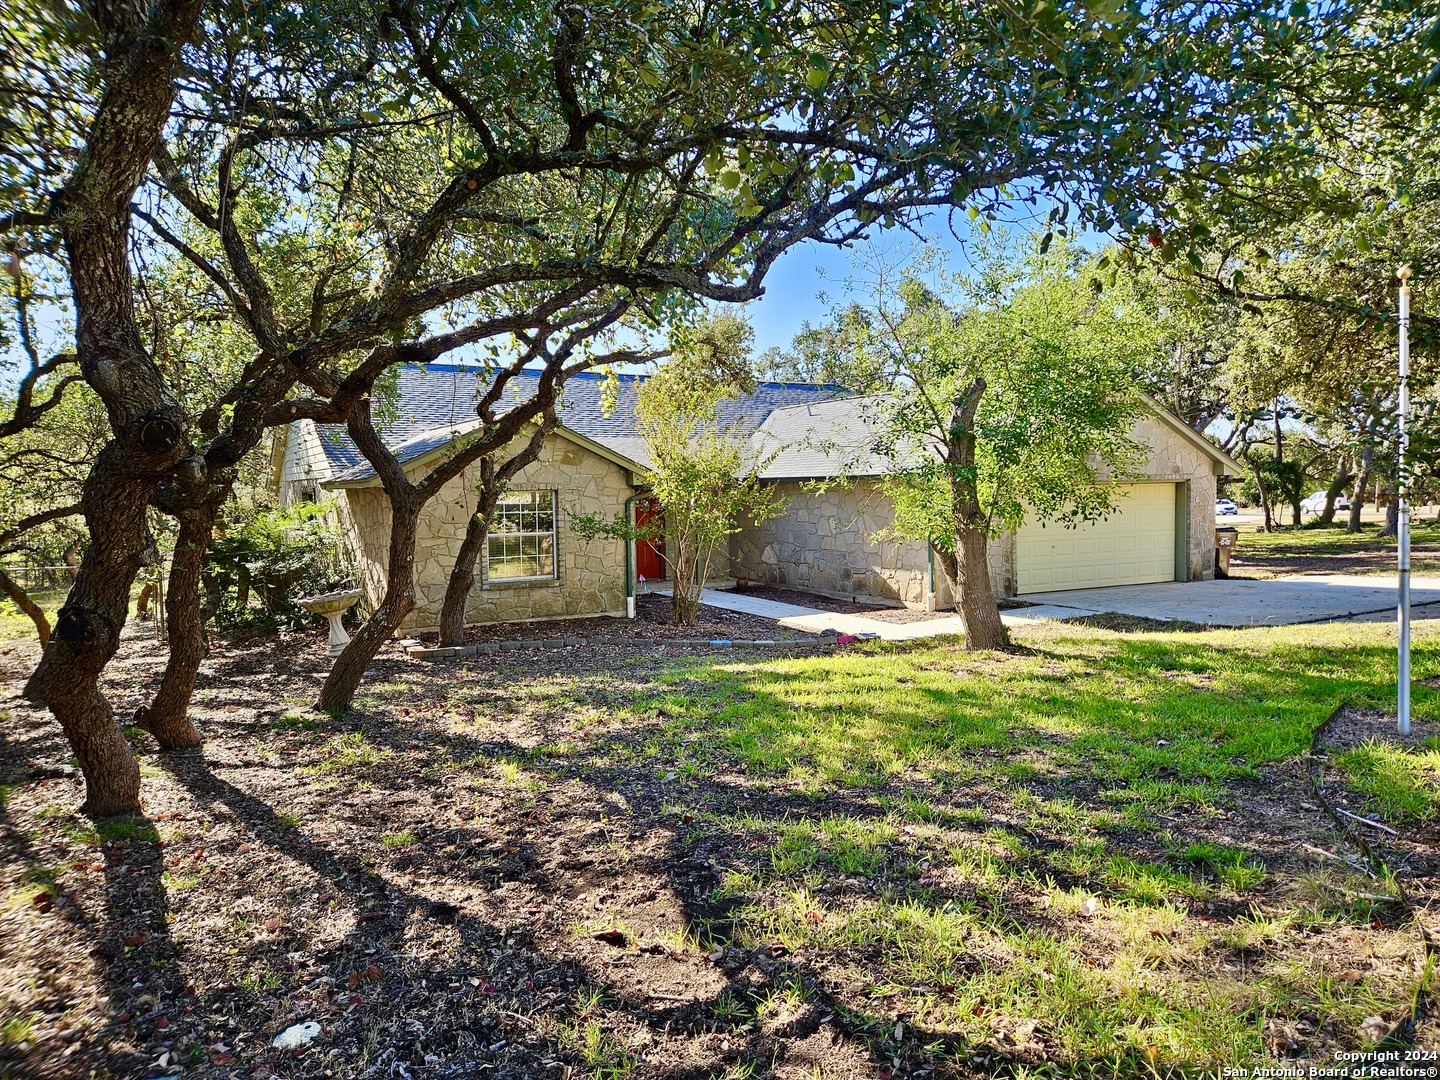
(365, 184)
(998, 396)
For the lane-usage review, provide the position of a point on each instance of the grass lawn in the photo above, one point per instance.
(14, 623)
(1310, 550)
(1097, 855)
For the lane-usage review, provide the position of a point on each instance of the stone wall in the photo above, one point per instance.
(826, 543)
(591, 573)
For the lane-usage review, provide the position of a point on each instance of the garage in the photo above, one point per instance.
(1135, 545)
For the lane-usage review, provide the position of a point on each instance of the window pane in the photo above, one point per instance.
(522, 536)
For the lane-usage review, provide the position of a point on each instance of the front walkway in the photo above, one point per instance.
(814, 620)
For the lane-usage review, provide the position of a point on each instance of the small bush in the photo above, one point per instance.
(263, 560)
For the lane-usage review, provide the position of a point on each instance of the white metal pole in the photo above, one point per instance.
(1403, 527)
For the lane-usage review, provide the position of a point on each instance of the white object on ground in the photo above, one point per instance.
(296, 1035)
(333, 606)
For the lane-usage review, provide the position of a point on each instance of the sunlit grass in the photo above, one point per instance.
(1016, 850)
(1403, 783)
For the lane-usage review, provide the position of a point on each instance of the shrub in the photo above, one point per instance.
(263, 560)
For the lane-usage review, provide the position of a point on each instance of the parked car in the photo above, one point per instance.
(1315, 504)
(1224, 508)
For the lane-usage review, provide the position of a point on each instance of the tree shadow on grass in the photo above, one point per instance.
(688, 860)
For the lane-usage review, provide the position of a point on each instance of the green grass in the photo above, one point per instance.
(348, 754)
(14, 623)
(1364, 552)
(1035, 830)
(1403, 784)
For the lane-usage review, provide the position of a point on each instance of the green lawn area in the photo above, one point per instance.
(1312, 550)
(14, 623)
(1014, 849)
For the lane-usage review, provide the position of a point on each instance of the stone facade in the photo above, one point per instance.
(824, 541)
(827, 542)
(590, 577)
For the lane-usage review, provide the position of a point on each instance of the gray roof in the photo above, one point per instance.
(436, 402)
(821, 440)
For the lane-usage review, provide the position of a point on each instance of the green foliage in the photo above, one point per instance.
(1287, 481)
(700, 471)
(1056, 357)
(274, 557)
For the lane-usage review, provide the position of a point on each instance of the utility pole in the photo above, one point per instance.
(1403, 525)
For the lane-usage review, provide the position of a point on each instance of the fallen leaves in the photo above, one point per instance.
(1374, 1028)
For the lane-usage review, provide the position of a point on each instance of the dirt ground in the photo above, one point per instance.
(400, 878)
(279, 878)
(652, 622)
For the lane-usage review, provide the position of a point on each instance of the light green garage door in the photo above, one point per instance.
(1133, 546)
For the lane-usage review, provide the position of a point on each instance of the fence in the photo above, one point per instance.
(47, 586)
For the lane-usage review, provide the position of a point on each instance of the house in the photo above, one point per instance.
(537, 567)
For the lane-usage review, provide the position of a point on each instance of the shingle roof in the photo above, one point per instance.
(433, 401)
(821, 440)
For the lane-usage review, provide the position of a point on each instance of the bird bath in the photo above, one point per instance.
(333, 606)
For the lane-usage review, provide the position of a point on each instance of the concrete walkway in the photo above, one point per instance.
(1275, 602)
(1283, 601)
(813, 620)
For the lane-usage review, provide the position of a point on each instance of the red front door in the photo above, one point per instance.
(649, 554)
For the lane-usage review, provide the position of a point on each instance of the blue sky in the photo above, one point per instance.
(801, 275)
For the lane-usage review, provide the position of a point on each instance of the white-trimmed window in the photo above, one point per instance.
(522, 537)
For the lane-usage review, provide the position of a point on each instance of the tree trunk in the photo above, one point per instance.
(684, 590)
(87, 633)
(22, 600)
(1264, 500)
(1333, 492)
(1362, 480)
(974, 596)
(1392, 514)
(166, 717)
(349, 668)
(462, 577)
(147, 422)
(492, 483)
(984, 628)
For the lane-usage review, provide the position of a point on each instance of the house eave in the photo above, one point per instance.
(1225, 465)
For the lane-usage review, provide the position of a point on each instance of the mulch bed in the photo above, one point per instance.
(841, 607)
(652, 623)
(391, 876)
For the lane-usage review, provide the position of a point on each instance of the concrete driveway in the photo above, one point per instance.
(1275, 602)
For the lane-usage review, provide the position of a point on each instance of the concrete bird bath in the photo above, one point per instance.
(333, 606)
